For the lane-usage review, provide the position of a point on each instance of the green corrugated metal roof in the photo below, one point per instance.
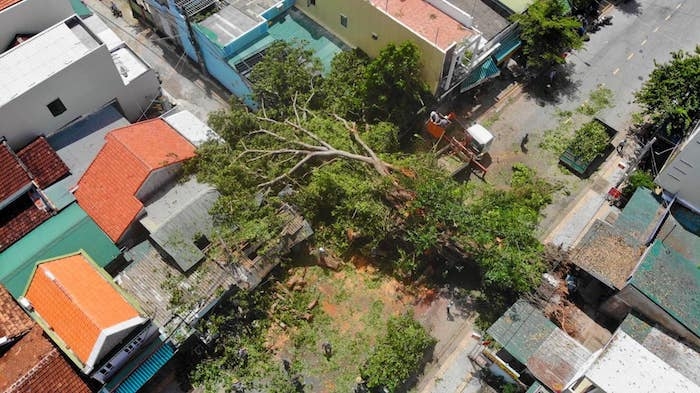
(67, 232)
(635, 328)
(521, 330)
(141, 369)
(672, 282)
(508, 45)
(483, 72)
(80, 8)
(639, 216)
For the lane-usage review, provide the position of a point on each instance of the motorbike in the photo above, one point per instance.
(116, 12)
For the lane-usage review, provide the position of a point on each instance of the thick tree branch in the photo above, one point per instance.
(311, 151)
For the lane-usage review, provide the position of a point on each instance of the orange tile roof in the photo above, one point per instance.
(7, 3)
(77, 302)
(107, 189)
(14, 177)
(429, 22)
(34, 365)
(43, 162)
(13, 320)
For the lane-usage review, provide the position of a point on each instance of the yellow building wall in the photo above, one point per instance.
(363, 20)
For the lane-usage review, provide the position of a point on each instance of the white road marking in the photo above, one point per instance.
(644, 42)
(656, 29)
(679, 5)
(630, 56)
(616, 71)
(667, 17)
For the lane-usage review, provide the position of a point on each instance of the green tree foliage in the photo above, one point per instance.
(394, 86)
(589, 141)
(547, 32)
(398, 354)
(345, 88)
(287, 72)
(671, 96)
(638, 178)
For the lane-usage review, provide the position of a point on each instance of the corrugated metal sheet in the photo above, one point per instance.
(152, 281)
(480, 75)
(141, 369)
(557, 360)
(671, 281)
(178, 233)
(65, 233)
(509, 45)
(677, 355)
(521, 330)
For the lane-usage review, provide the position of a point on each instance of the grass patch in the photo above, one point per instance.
(556, 140)
(599, 99)
(491, 120)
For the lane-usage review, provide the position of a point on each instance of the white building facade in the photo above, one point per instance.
(69, 69)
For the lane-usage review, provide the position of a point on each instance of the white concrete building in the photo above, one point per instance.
(625, 366)
(69, 69)
(680, 177)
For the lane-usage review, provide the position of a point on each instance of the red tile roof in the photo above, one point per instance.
(43, 162)
(18, 219)
(107, 189)
(13, 320)
(77, 302)
(7, 3)
(14, 177)
(34, 365)
(429, 22)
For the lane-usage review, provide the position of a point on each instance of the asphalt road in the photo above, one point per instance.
(622, 55)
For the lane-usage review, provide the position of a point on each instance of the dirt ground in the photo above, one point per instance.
(355, 303)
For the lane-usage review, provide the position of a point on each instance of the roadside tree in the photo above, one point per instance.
(671, 96)
(547, 33)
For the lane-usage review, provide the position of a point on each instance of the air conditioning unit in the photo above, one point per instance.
(24, 302)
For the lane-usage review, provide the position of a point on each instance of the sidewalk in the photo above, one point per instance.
(590, 204)
(451, 370)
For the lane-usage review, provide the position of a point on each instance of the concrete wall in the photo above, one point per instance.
(680, 176)
(171, 23)
(364, 20)
(157, 180)
(215, 62)
(630, 297)
(83, 87)
(31, 16)
(136, 97)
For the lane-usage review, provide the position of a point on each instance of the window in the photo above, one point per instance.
(375, 36)
(310, 3)
(343, 20)
(56, 107)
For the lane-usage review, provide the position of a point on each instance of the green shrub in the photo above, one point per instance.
(398, 354)
(589, 141)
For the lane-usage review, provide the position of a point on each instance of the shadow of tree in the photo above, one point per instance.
(629, 7)
(553, 86)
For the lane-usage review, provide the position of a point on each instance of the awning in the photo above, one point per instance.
(480, 75)
(509, 44)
